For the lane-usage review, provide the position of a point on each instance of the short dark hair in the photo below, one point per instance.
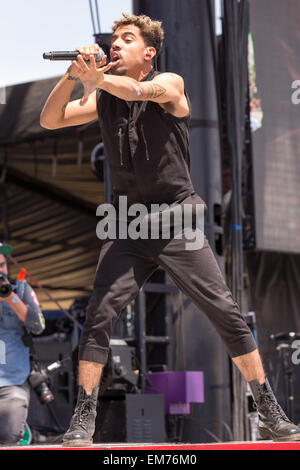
(151, 30)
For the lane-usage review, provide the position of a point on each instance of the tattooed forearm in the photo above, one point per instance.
(70, 77)
(152, 90)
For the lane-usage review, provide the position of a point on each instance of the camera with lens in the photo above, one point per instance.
(5, 286)
(39, 380)
(39, 377)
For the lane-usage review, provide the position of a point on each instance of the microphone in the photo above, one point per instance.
(69, 55)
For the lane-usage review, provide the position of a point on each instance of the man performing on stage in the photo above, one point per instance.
(144, 117)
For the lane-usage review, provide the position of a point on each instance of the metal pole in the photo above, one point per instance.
(141, 337)
(235, 22)
(107, 181)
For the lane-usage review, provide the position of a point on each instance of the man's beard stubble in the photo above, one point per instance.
(118, 71)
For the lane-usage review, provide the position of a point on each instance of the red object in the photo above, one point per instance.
(22, 274)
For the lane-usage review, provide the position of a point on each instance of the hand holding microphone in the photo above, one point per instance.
(84, 67)
(82, 59)
(84, 52)
(72, 55)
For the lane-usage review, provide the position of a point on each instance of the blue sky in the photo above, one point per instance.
(30, 27)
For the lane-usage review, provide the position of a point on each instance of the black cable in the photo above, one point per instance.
(59, 429)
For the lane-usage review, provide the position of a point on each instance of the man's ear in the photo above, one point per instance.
(150, 52)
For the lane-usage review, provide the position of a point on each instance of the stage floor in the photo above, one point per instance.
(251, 445)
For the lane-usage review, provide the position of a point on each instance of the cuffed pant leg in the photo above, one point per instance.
(122, 270)
(197, 274)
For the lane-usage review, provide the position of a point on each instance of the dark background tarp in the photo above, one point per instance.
(20, 115)
(274, 296)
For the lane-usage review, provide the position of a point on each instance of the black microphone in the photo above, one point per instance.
(69, 55)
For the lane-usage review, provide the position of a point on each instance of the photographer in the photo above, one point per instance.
(19, 308)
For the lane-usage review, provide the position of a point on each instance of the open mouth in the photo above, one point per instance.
(115, 58)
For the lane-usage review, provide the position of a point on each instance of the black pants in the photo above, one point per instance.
(125, 265)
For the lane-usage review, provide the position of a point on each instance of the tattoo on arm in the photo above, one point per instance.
(70, 77)
(153, 90)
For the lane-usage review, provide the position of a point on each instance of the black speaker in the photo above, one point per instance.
(131, 418)
(145, 419)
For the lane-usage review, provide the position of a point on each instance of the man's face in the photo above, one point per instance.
(3, 265)
(127, 50)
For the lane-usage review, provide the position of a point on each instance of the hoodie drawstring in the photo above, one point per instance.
(145, 142)
(120, 134)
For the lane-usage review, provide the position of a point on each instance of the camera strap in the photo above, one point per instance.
(28, 342)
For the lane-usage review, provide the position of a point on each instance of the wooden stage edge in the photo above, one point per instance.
(250, 445)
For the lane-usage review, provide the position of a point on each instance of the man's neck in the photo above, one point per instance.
(139, 75)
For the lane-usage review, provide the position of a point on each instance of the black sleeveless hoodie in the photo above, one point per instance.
(147, 150)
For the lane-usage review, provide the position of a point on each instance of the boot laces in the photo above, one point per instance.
(274, 409)
(83, 413)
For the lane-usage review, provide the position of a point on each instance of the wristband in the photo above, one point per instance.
(14, 300)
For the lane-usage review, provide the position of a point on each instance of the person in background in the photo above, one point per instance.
(19, 310)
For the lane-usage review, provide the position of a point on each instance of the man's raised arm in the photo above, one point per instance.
(164, 88)
(59, 111)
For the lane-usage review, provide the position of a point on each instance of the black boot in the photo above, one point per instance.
(272, 422)
(82, 426)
